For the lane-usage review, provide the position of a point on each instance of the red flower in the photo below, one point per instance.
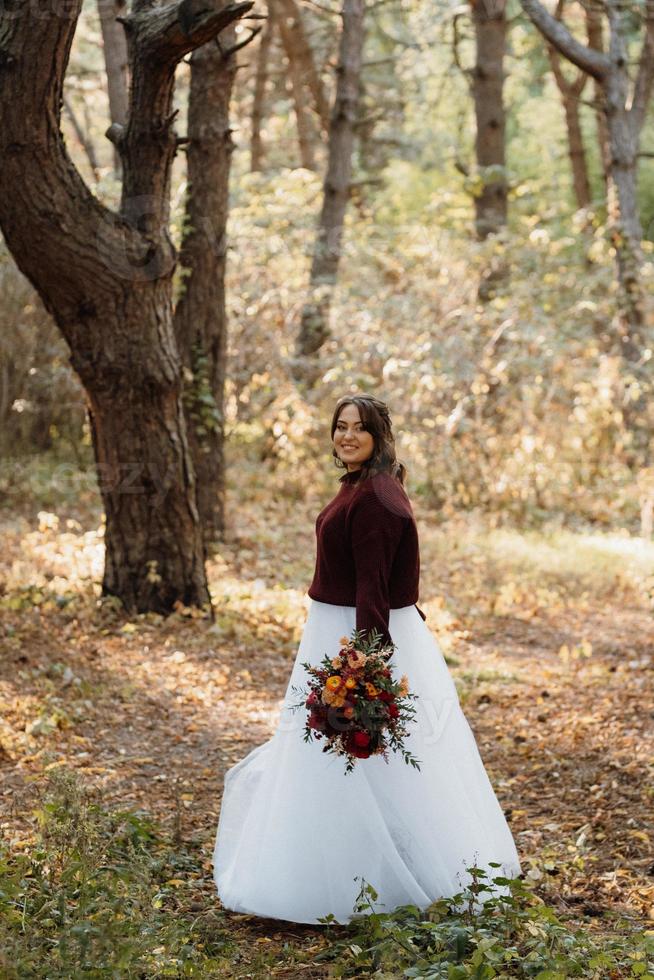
(360, 753)
(317, 721)
(393, 710)
(386, 696)
(361, 739)
(312, 699)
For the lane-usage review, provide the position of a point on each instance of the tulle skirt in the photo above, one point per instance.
(297, 836)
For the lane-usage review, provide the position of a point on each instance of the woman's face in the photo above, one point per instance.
(352, 443)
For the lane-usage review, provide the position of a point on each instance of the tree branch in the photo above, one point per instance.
(228, 52)
(573, 89)
(165, 34)
(593, 62)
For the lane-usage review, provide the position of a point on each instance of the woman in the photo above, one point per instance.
(296, 834)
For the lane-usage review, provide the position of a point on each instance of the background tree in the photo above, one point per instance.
(298, 83)
(625, 106)
(114, 47)
(314, 326)
(571, 92)
(259, 96)
(487, 88)
(200, 313)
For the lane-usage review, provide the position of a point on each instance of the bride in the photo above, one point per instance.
(295, 831)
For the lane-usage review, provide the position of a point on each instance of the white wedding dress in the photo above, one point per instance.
(295, 830)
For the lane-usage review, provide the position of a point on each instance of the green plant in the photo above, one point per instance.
(103, 894)
(509, 933)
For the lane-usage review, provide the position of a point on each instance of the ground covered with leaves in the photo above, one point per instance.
(116, 733)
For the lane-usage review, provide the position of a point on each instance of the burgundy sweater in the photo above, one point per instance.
(367, 550)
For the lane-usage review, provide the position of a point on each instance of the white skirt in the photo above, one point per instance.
(296, 834)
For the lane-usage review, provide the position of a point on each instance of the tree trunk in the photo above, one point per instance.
(624, 219)
(487, 87)
(304, 56)
(259, 97)
(200, 315)
(114, 45)
(576, 151)
(314, 327)
(596, 43)
(106, 279)
(570, 95)
(305, 131)
(154, 555)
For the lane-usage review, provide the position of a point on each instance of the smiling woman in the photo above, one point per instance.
(288, 808)
(352, 442)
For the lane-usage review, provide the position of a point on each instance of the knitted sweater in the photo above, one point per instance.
(367, 550)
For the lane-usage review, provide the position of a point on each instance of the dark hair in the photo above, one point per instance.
(377, 421)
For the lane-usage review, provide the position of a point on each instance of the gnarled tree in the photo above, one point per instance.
(106, 278)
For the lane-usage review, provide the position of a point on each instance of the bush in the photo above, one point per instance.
(102, 894)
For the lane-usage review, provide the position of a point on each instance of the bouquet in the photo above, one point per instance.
(355, 704)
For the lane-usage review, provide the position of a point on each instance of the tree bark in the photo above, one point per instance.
(259, 97)
(106, 279)
(487, 88)
(114, 45)
(200, 315)
(314, 327)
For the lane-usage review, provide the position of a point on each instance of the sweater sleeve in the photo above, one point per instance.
(376, 530)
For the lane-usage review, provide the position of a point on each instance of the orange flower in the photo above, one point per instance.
(404, 685)
(344, 641)
(350, 683)
(333, 683)
(371, 689)
(335, 698)
(336, 662)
